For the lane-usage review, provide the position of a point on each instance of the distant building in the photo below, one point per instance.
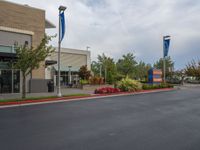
(23, 24)
(19, 25)
(71, 61)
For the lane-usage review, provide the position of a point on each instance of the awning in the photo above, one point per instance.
(50, 62)
(8, 56)
(66, 68)
(48, 24)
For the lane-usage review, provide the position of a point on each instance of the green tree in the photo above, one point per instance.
(84, 73)
(141, 71)
(29, 58)
(108, 68)
(95, 67)
(179, 75)
(169, 66)
(126, 65)
(193, 69)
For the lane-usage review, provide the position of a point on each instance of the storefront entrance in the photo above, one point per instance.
(67, 78)
(9, 81)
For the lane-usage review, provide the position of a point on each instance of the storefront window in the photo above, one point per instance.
(6, 81)
(16, 81)
(6, 49)
(9, 81)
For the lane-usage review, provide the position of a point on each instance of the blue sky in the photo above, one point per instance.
(117, 27)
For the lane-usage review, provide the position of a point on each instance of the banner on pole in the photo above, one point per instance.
(62, 25)
(166, 42)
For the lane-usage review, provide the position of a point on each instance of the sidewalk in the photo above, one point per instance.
(64, 91)
(75, 98)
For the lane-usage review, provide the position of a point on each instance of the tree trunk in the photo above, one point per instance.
(24, 86)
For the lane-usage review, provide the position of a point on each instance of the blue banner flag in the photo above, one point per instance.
(62, 25)
(166, 43)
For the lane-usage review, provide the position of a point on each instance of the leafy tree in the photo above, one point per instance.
(169, 65)
(141, 71)
(108, 68)
(179, 75)
(84, 73)
(95, 67)
(29, 58)
(127, 64)
(193, 69)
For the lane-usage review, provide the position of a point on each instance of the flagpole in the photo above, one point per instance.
(61, 8)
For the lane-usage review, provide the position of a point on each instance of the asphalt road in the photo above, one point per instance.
(158, 121)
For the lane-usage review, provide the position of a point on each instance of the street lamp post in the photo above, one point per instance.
(61, 9)
(165, 53)
(100, 70)
(105, 74)
(70, 76)
(87, 48)
(164, 65)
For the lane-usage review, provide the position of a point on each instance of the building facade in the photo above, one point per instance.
(71, 61)
(19, 25)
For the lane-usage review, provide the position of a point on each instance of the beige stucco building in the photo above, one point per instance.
(23, 24)
(19, 25)
(71, 61)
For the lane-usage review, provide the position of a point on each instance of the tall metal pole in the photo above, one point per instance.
(87, 48)
(59, 43)
(70, 75)
(61, 8)
(164, 65)
(100, 70)
(164, 70)
(105, 74)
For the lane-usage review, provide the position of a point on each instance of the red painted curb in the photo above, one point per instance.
(71, 98)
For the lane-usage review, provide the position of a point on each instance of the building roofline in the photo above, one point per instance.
(23, 5)
(65, 50)
(49, 24)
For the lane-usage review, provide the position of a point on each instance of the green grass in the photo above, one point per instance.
(40, 98)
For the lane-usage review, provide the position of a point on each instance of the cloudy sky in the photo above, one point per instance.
(116, 27)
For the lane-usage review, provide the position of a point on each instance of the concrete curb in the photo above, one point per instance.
(84, 98)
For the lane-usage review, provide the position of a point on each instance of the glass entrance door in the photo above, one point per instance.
(6, 81)
(9, 81)
(16, 81)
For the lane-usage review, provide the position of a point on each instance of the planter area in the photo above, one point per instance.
(94, 87)
(129, 85)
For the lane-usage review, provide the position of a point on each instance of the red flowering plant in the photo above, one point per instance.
(106, 90)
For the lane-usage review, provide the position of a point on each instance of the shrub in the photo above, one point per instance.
(83, 82)
(84, 73)
(96, 80)
(129, 85)
(156, 86)
(106, 90)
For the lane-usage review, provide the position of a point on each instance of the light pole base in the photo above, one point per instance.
(59, 92)
(59, 95)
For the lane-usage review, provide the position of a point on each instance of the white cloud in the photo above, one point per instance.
(116, 27)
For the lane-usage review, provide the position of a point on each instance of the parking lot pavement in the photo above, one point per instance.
(156, 121)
